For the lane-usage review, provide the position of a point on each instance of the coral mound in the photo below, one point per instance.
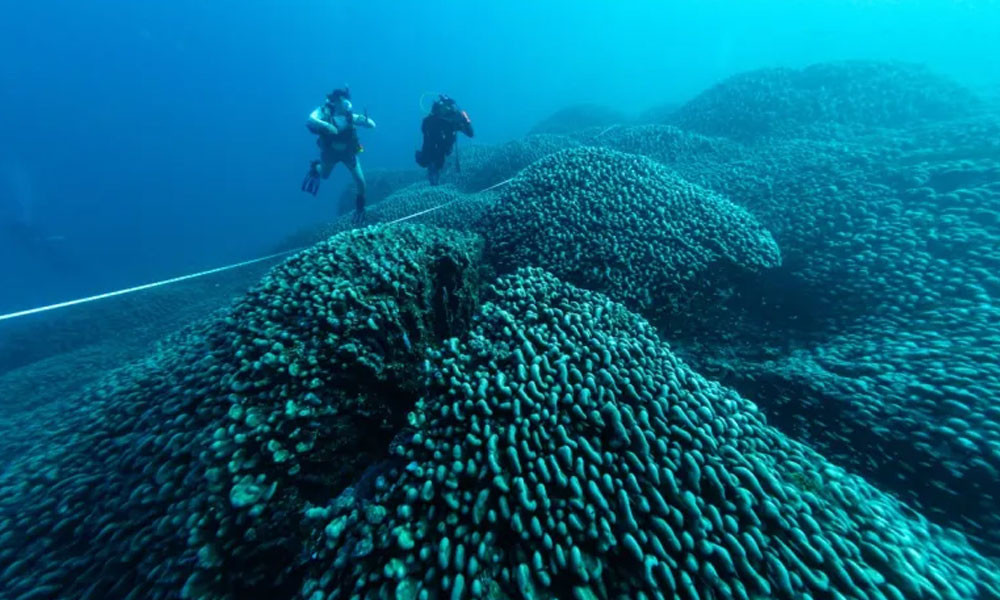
(823, 98)
(562, 451)
(188, 470)
(483, 166)
(625, 225)
(439, 206)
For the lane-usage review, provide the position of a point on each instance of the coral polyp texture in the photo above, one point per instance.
(439, 206)
(826, 99)
(625, 225)
(187, 472)
(875, 339)
(482, 166)
(562, 451)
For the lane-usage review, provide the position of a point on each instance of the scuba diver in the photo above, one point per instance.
(336, 128)
(440, 129)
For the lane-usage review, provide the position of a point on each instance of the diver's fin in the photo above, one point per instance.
(310, 183)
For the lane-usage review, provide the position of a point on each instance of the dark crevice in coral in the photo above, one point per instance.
(370, 412)
(451, 308)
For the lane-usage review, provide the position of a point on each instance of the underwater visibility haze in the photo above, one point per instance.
(500, 300)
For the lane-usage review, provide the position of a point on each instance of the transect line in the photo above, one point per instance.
(616, 126)
(139, 288)
(440, 206)
(147, 286)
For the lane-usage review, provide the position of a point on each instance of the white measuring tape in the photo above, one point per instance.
(607, 129)
(440, 206)
(139, 288)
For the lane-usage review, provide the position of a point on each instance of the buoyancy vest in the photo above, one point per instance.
(346, 137)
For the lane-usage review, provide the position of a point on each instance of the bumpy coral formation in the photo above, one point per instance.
(884, 309)
(310, 411)
(188, 470)
(440, 206)
(875, 337)
(484, 166)
(624, 225)
(823, 99)
(563, 451)
(675, 147)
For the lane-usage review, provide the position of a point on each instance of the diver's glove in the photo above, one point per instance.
(311, 182)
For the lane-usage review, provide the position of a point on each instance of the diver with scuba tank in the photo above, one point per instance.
(336, 125)
(440, 128)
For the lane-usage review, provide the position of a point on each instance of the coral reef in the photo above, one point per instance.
(759, 365)
(823, 100)
(483, 166)
(624, 225)
(873, 339)
(187, 471)
(562, 451)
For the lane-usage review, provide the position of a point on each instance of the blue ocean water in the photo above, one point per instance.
(145, 140)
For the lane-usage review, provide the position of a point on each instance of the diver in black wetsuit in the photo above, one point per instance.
(440, 129)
